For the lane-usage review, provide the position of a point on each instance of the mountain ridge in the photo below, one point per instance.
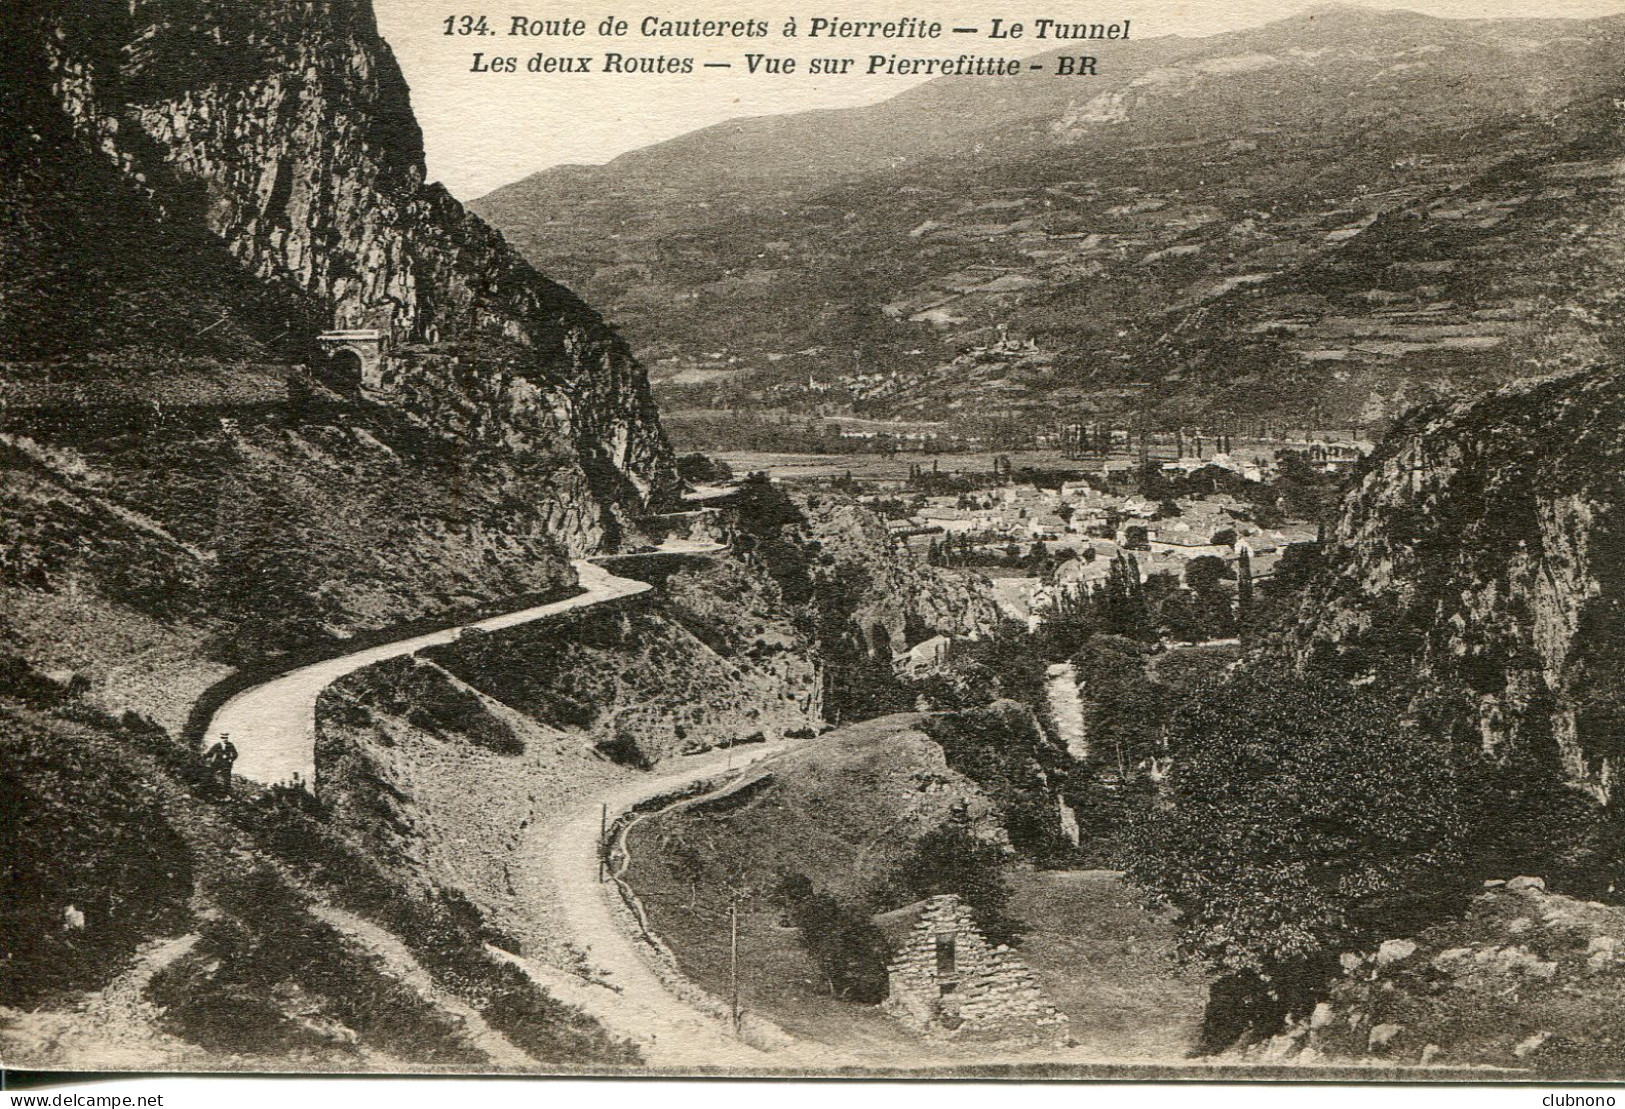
(1112, 227)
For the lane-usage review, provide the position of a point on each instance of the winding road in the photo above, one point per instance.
(273, 725)
(633, 1001)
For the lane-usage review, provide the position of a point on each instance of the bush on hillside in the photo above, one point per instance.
(950, 859)
(1303, 819)
(1002, 750)
(90, 868)
(849, 950)
(701, 469)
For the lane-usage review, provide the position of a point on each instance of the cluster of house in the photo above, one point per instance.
(1168, 546)
(1083, 531)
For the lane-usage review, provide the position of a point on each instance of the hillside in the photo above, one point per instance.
(1526, 980)
(864, 799)
(1480, 556)
(146, 926)
(190, 192)
(197, 191)
(1322, 220)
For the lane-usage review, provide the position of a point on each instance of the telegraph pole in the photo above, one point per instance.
(733, 954)
(603, 838)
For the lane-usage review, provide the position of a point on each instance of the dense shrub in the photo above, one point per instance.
(1303, 819)
(80, 833)
(849, 950)
(697, 469)
(1002, 750)
(1526, 819)
(950, 859)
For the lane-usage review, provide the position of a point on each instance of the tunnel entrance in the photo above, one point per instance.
(344, 370)
(354, 364)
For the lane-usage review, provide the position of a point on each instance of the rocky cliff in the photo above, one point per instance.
(1480, 557)
(198, 189)
(897, 601)
(287, 131)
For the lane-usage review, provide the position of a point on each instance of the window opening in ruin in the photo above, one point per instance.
(945, 953)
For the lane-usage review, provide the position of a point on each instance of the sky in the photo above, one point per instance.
(484, 130)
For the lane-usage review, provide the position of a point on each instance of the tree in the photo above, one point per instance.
(950, 859)
(1123, 608)
(1125, 711)
(1303, 819)
(1244, 597)
(1210, 601)
(697, 468)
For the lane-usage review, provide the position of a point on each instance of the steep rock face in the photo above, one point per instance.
(195, 190)
(1482, 553)
(905, 600)
(286, 130)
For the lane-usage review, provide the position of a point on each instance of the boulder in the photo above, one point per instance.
(1531, 1044)
(1393, 951)
(1381, 1035)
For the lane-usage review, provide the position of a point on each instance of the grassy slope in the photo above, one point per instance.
(1107, 964)
(844, 811)
(257, 977)
(841, 810)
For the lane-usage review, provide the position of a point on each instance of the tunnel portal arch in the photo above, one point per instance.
(355, 356)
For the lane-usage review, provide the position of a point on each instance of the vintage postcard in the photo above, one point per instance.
(939, 540)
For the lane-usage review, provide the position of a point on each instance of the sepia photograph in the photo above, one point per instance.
(1030, 544)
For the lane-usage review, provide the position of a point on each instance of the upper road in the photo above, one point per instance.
(273, 725)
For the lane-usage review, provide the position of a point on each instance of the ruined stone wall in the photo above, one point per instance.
(988, 992)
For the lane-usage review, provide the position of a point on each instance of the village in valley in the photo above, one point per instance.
(1050, 539)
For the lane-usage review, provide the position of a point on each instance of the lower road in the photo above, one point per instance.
(636, 1003)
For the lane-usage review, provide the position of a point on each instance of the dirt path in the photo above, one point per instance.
(635, 1002)
(115, 1027)
(273, 725)
(402, 964)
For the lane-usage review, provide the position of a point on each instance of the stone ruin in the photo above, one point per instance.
(945, 979)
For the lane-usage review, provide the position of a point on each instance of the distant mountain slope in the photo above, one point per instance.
(1325, 218)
